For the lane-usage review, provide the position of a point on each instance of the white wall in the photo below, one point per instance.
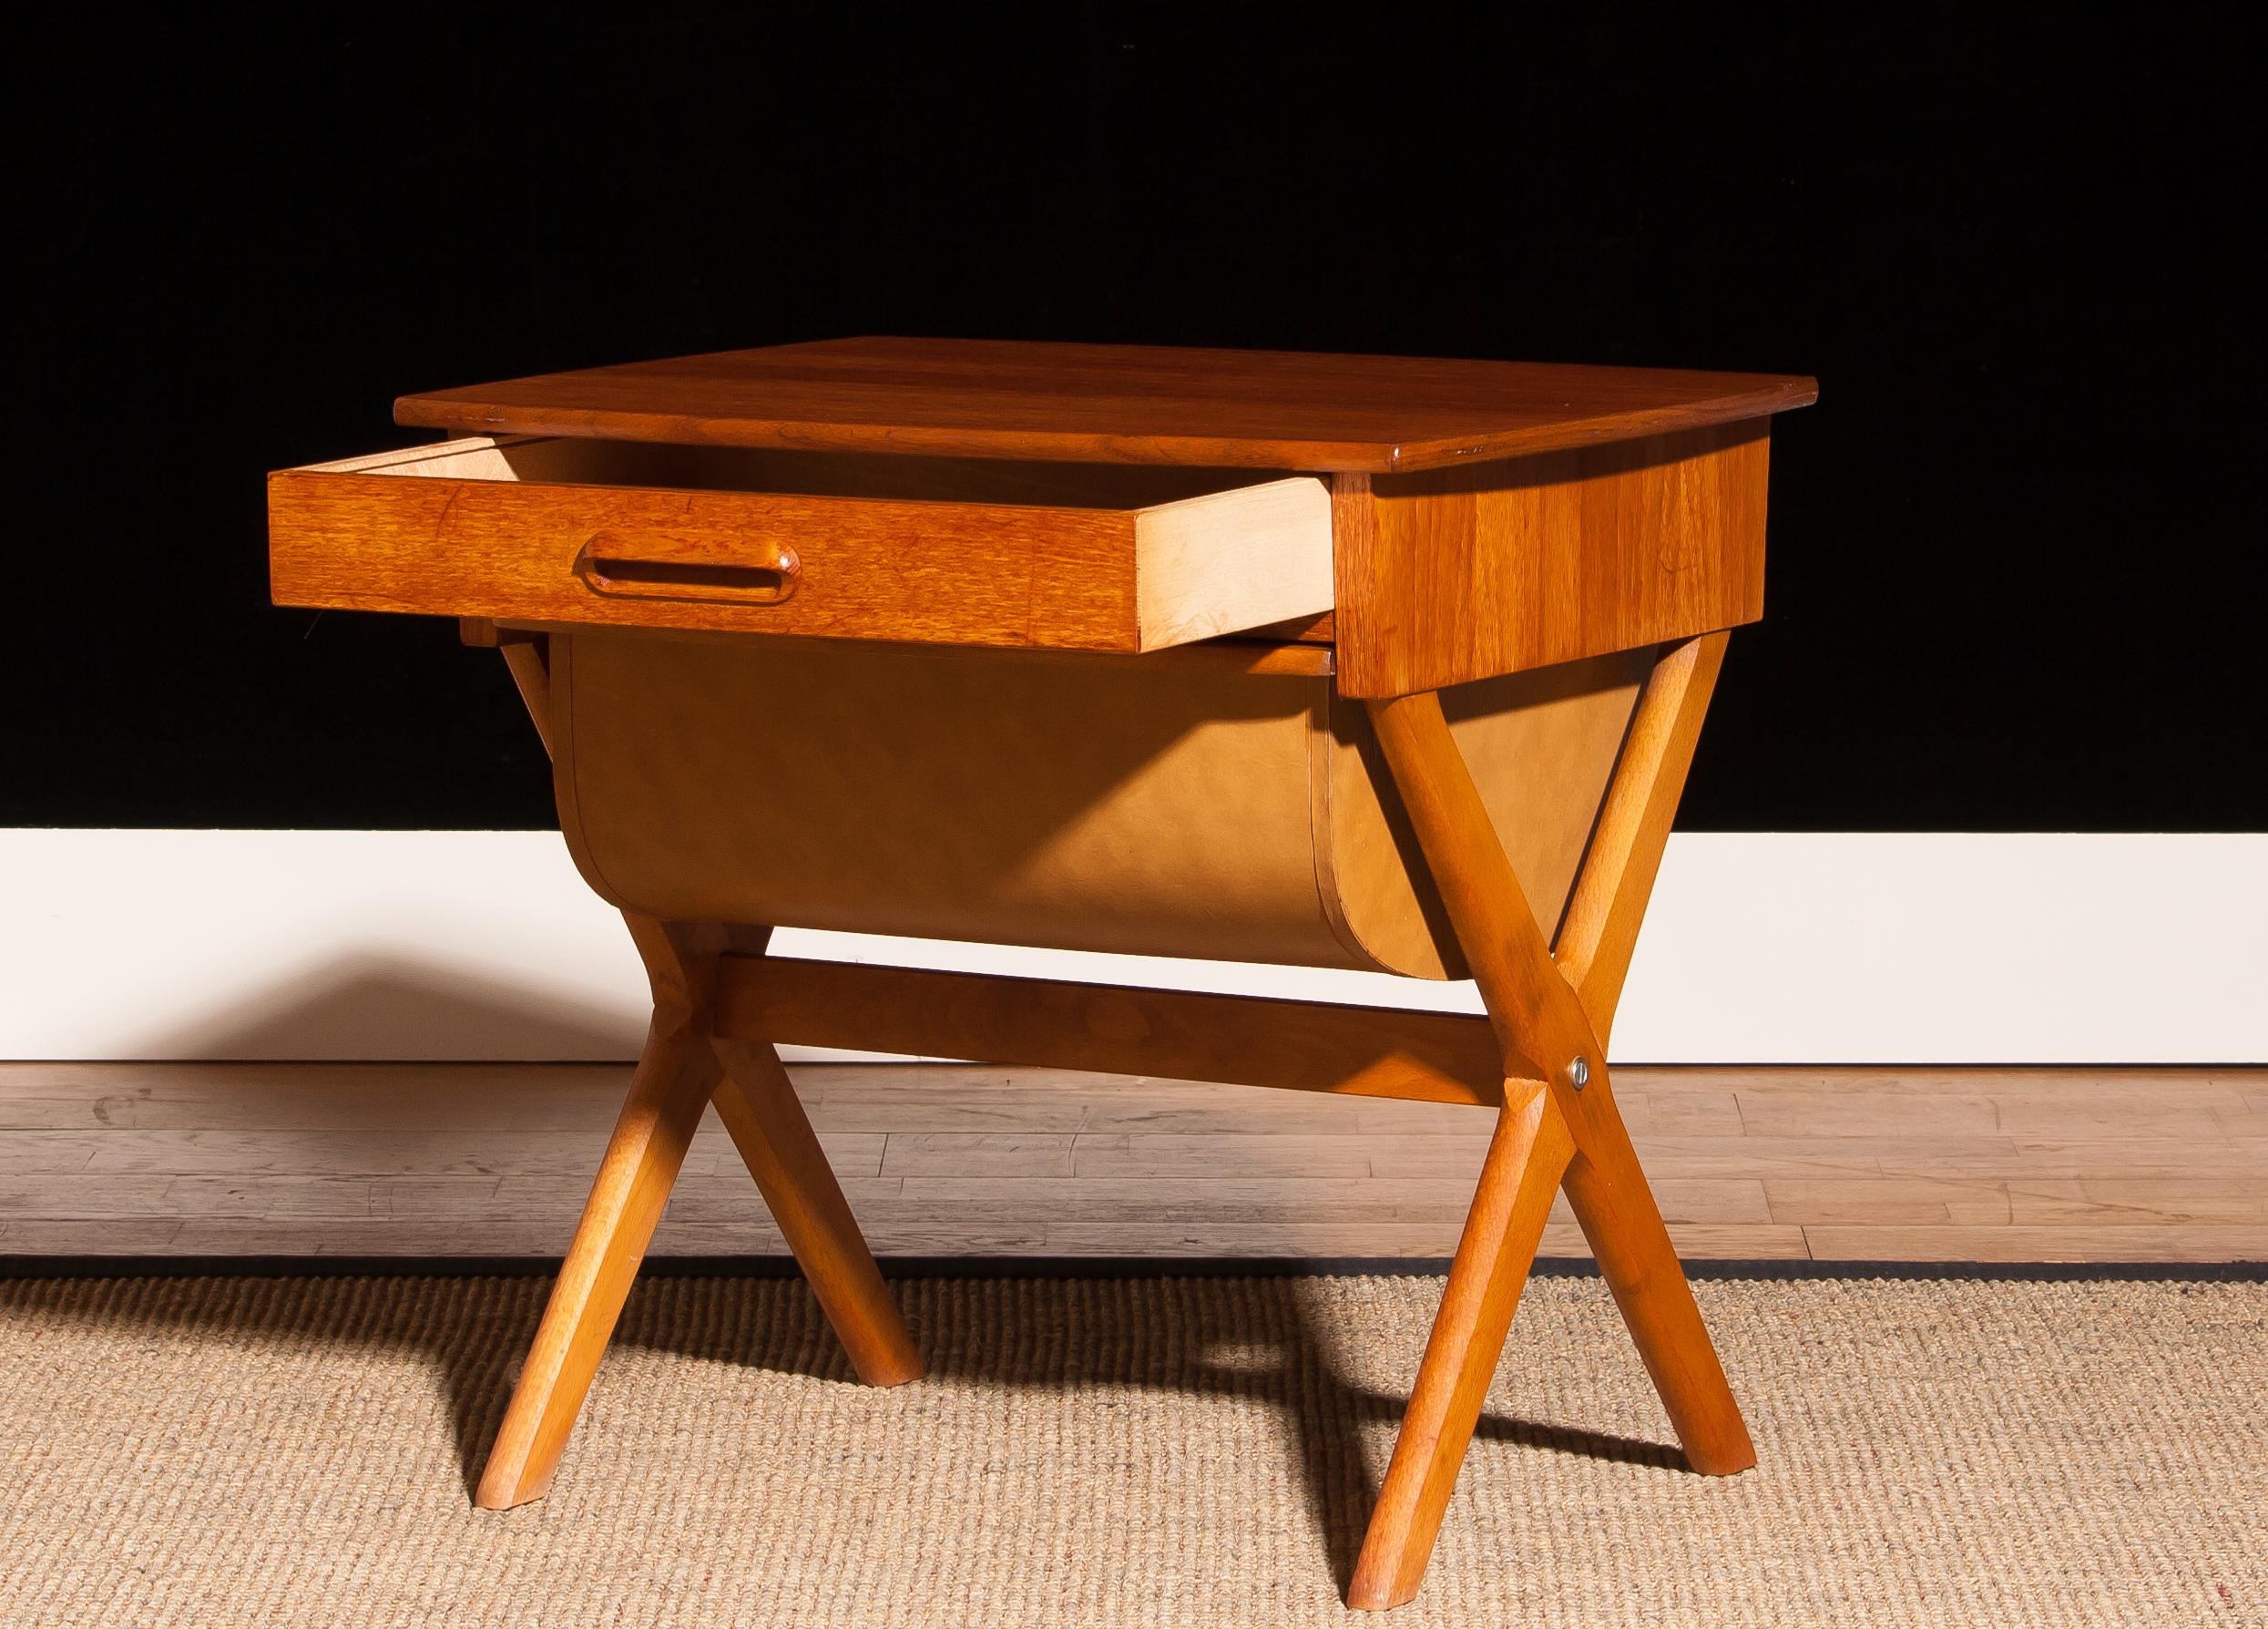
(1859, 948)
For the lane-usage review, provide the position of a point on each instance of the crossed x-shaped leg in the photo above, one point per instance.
(1540, 1059)
(1558, 1126)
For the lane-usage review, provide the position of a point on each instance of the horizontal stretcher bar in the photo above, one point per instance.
(1251, 1040)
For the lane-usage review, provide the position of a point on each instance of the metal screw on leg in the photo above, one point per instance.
(1577, 1072)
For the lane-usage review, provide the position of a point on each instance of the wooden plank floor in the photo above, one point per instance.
(436, 1160)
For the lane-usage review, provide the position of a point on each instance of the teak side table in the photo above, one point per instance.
(1345, 661)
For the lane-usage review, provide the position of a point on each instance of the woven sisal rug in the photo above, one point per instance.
(1167, 1452)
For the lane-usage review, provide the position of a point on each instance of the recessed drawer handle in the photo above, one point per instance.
(665, 568)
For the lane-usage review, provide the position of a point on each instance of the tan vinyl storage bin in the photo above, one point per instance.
(1178, 805)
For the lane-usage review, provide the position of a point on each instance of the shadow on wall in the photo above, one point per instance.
(387, 1008)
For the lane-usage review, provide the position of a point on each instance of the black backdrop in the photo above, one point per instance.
(2013, 549)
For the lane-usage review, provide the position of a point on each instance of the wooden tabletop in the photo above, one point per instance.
(1111, 404)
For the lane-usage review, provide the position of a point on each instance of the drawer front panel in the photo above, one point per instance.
(946, 573)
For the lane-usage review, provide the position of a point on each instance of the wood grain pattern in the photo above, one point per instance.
(1608, 903)
(667, 1093)
(1181, 1035)
(1539, 1027)
(767, 1124)
(1615, 1209)
(1131, 404)
(1531, 1147)
(683, 1067)
(1539, 1017)
(395, 536)
(456, 1160)
(1459, 575)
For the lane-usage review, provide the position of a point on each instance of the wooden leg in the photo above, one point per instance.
(759, 1107)
(1526, 1157)
(1612, 1200)
(1599, 929)
(1604, 1184)
(1544, 1027)
(667, 1093)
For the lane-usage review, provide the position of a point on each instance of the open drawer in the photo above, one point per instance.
(930, 550)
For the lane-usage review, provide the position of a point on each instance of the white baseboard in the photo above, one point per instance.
(1762, 948)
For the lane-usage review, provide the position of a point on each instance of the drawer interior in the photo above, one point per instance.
(579, 461)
